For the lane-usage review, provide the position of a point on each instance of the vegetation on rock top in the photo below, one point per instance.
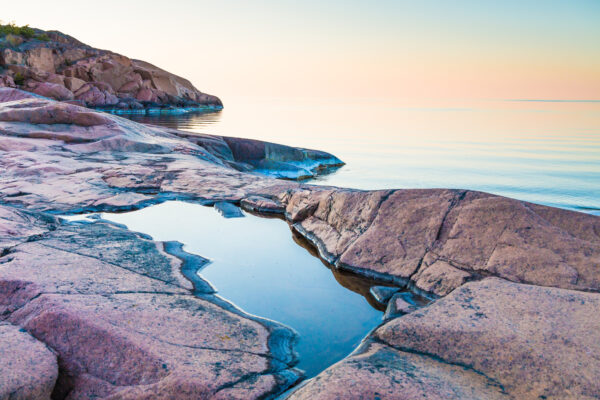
(24, 31)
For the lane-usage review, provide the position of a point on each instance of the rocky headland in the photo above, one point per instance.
(93, 310)
(58, 66)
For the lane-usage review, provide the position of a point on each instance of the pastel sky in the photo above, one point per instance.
(510, 49)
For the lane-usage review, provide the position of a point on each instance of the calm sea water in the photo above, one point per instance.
(546, 152)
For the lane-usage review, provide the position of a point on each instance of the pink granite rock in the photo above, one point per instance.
(441, 238)
(63, 57)
(261, 205)
(53, 91)
(28, 369)
(60, 157)
(115, 308)
(381, 372)
(536, 342)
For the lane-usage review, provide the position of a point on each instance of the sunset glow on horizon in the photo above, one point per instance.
(385, 49)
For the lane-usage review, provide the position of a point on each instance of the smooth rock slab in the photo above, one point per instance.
(28, 369)
(439, 239)
(140, 344)
(380, 372)
(536, 342)
(121, 318)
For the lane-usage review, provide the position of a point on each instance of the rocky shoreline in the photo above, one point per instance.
(515, 285)
(58, 66)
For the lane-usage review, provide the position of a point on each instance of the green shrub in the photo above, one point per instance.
(12, 29)
(19, 79)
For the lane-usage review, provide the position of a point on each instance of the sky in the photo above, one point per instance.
(428, 49)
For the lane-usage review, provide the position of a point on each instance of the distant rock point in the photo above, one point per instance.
(58, 66)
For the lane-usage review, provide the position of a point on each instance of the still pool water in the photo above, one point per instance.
(546, 152)
(258, 265)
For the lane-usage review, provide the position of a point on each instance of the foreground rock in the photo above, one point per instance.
(535, 342)
(381, 372)
(436, 240)
(61, 157)
(28, 369)
(58, 66)
(123, 321)
(487, 340)
(515, 284)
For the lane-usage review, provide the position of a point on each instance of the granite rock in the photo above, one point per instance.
(122, 320)
(65, 61)
(535, 342)
(28, 369)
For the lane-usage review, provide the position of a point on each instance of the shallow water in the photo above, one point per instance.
(258, 265)
(546, 152)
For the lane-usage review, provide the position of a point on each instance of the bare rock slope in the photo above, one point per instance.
(515, 285)
(60, 67)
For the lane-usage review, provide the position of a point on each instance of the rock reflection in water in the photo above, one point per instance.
(257, 264)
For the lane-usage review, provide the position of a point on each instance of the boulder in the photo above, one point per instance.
(7, 81)
(261, 204)
(73, 84)
(95, 95)
(382, 294)
(53, 91)
(400, 304)
(9, 56)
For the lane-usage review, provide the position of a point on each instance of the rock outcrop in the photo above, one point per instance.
(491, 339)
(436, 240)
(122, 320)
(60, 67)
(515, 286)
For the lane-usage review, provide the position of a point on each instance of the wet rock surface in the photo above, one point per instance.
(514, 285)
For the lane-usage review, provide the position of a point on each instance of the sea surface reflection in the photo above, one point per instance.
(543, 152)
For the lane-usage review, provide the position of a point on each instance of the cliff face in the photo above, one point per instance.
(60, 67)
